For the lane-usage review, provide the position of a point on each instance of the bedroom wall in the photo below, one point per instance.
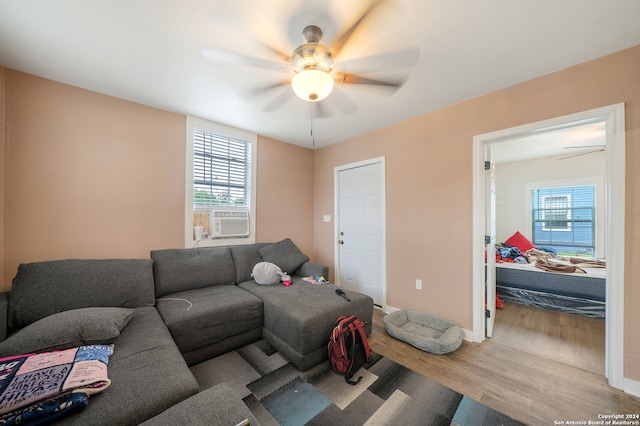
(92, 176)
(512, 179)
(430, 185)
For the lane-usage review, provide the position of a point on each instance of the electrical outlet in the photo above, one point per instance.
(418, 284)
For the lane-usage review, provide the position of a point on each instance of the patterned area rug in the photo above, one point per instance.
(388, 393)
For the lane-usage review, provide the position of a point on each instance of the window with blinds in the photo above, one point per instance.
(564, 218)
(221, 170)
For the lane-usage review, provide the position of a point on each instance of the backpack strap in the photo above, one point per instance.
(357, 324)
(365, 342)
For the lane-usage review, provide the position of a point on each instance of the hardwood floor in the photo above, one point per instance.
(533, 389)
(569, 338)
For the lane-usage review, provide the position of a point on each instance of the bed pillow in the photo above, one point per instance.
(68, 329)
(285, 254)
(520, 241)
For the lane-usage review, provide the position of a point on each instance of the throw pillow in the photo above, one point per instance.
(266, 273)
(285, 254)
(68, 329)
(520, 241)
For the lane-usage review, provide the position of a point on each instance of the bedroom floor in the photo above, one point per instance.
(534, 389)
(569, 338)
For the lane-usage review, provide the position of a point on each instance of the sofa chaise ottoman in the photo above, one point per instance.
(298, 319)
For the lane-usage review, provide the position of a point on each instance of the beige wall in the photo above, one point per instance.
(429, 185)
(92, 176)
(88, 175)
(2, 136)
(285, 194)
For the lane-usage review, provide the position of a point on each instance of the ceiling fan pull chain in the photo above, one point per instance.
(313, 136)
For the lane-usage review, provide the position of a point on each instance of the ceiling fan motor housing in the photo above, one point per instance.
(312, 62)
(312, 55)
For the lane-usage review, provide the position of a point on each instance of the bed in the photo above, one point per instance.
(582, 292)
(578, 293)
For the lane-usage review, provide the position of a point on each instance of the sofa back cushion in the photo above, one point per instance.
(177, 270)
(41, 289)
(245, 257)
(285, 254)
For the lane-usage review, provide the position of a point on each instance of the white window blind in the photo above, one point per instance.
(221, 170)
(564, 218)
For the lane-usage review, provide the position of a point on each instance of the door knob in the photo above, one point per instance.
(341, 242)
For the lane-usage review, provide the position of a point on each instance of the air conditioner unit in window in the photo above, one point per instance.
(229, 224)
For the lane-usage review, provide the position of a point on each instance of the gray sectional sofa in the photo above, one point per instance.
(167, 313)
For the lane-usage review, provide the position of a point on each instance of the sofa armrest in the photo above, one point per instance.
(310, 269)
(4, 309)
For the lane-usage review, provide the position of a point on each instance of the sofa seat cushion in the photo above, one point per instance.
(303, 315)
(205, 316)
(148, 375)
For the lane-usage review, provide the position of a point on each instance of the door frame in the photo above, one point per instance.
(613, 115)
(383, 219)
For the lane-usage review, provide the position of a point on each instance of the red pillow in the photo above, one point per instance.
(520, 241)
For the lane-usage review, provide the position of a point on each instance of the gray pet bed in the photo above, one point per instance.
(425, 331)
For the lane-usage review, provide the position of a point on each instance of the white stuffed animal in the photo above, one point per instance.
(267, 273)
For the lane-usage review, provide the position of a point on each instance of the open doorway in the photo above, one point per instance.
(613, 117)
(549, 188)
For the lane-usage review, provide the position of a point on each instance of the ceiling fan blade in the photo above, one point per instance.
(279, 100)
(580, 153)
(346, 78)
(258, 91)
(280, 54)
(343, 38)
(397, 59)
(224, 56)
(319, 110)
(342, 102)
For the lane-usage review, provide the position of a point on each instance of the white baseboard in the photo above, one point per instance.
(390, 309)
(632, 387)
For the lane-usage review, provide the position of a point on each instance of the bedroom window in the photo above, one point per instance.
(220, 185)
(564, 218)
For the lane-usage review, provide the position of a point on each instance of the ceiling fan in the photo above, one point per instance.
(312, 71)
(597, 148)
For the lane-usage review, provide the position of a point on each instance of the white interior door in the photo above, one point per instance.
(490, 247)
(360, 226)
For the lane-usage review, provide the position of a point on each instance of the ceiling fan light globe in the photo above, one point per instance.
(312, 85)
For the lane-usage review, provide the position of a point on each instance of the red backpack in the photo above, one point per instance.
(348, 347)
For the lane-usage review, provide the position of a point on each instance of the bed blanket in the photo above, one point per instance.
(553, 263)
(28, 379)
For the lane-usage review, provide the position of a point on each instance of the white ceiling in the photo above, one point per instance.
(151, 52)
(567, 142)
